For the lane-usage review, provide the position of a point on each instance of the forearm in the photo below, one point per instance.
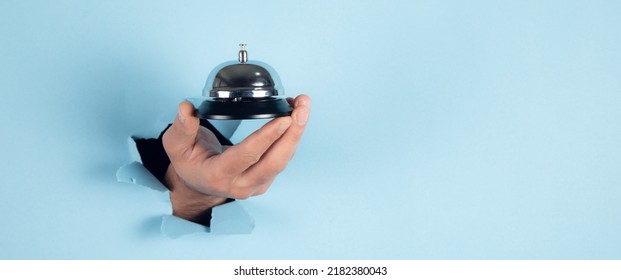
(188, 203)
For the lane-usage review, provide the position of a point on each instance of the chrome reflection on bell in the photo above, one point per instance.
(243, 90)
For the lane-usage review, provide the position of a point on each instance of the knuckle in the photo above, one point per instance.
(250, 158)
(264, 180)
(237, 191)
(279, 167)
(261, 191)
(241, 194)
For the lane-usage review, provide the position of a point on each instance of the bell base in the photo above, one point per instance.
(246, 108)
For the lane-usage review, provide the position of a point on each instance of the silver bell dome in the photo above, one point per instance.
(243, 90)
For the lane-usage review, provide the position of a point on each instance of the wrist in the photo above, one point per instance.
(187, 203)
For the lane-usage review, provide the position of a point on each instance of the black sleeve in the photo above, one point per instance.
(155, 159)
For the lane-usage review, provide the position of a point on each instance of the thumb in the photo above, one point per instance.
(181, 136)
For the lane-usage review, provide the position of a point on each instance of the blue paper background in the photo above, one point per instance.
(439, 130)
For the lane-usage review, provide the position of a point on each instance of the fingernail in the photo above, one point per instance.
(284, 125)
(181, 118)
(302, 116)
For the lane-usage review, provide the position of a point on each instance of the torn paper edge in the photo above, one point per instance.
(175, 227)
(229, 218)
(136, 173)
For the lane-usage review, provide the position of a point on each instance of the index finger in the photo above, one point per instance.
(277, 157)
(240, 157)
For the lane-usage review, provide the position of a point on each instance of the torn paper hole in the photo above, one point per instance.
(229, 218)
(175, 227)
(136, 173)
